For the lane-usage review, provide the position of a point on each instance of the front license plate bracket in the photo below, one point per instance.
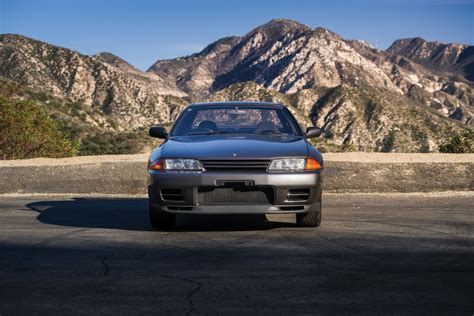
(233, 183)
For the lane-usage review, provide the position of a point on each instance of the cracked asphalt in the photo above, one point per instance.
(373, 254)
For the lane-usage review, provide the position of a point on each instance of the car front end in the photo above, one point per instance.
(235, 186)
(235, 158)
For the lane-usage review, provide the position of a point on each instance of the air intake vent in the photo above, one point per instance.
(235, 165)
(239, 195)
(297, 195)
(172, 195)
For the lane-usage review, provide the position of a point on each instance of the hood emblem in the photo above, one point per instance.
(234, 154)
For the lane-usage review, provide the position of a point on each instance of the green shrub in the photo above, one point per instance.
(388, 142)
(28, 131)
(349, 148)
(113, 143)
(459, 144)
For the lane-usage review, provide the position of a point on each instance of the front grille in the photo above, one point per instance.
(237, 195)
(235, 165)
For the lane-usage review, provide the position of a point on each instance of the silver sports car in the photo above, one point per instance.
(235, 158)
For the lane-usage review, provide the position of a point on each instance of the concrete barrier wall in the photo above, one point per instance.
(351, 172)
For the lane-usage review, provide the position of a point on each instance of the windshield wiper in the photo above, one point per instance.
(272, 133)
(208, 132)
(223, 132)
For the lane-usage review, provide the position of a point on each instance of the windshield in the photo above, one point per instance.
(236, 120)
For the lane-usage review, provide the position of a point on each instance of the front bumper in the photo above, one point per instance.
(280, 188)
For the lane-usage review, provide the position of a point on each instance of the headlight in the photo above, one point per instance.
(294, 164)
(176, 164)
(182, 164)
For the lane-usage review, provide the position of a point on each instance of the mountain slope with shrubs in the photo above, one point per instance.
(413, 97)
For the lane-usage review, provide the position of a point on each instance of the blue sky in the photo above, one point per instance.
(142, 31)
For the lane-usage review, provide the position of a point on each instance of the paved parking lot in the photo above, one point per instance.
(391, 254)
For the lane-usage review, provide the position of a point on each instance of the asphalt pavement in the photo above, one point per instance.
(373, 254)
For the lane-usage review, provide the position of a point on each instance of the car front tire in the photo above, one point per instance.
(160, 219)
(310, 219)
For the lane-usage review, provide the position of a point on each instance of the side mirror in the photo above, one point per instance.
(158, 132)
(313, 132)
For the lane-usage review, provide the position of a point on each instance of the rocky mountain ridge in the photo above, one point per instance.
(455, 58)
(282, 55)
(287, 57)
(132, 98)
(408, 98)
(451, 95)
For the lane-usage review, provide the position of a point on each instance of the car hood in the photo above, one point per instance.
(234, 147)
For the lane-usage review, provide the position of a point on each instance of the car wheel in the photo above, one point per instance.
(160, 219)
(310, 219)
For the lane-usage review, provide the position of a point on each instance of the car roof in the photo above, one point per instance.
(237, 103)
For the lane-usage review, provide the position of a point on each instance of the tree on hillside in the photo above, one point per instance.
(461, 143)
(27, 131)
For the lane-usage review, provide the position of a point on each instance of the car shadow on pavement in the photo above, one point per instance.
(132, 214)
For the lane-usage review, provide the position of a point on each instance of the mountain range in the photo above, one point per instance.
(408, 98)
